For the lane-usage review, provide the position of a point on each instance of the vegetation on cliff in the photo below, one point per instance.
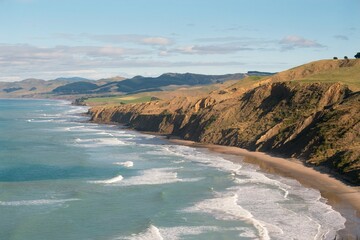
(318, 122)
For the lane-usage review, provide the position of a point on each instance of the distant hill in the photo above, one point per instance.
(140, 83)
(12, 89)
(39, 88)
(104, 81)
(73, 79)
(75, 88)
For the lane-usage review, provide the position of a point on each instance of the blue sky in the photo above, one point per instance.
(104, 38)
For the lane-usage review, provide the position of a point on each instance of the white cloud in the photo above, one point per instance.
(211, 49)
(156, 41)
(26, 61)
(28, 53)
(119, 38)
(293, 41)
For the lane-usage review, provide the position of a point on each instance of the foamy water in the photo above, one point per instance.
(106, 182)
(36, 202)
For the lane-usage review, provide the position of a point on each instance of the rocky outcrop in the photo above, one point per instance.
(318, 123)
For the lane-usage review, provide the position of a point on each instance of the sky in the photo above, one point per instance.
(97, 39)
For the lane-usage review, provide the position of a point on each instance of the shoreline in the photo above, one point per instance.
(341, 197)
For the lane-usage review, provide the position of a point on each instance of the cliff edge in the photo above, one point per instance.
(318, 123)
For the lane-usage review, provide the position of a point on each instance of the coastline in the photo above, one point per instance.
(343, 198)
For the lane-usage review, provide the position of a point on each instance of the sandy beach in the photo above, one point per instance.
(343, 198)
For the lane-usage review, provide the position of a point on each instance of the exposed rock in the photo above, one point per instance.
(319, 123)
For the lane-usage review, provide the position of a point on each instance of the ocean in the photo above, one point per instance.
(64, 178)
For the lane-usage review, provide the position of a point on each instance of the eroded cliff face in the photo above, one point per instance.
(318, 123)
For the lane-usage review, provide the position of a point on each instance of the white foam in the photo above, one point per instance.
(79, 128)
(45, 116)
(37, 202)
(77, 109)
(151, 233)
(99, 142)
(277, 203)
(43, 121)
(68, 129)
(179, 161)
(226, 208)
(194, 155)
(154, 176)
(127, 164)
(113, 180)
(329, 221)
(178, 232)
(123, 134)
(254, 177)
(282, 211)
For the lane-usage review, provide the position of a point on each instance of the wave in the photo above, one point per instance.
(226, 208)
(178, 232)
(43, 121)
(45, 115)
(253, 177)
(151, 233)
(124, 134)
(194, 155)
(174, 233)
(275, 204)
(77, 110)
(82, 128)
(154, 176)
(292, 205)
(127, 164)
(113, 180)
(37, 202)
(99, 142)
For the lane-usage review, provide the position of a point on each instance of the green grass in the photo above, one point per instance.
(247, 82)
(348, 76)
(118, 100)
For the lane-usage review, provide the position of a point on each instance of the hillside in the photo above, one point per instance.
(73, 86)
(317, 121)
(145, 84)
(62, 87)
(346, 71)
(76, 88)
(28, 88)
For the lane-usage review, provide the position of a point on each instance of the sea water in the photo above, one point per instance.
(64, 178)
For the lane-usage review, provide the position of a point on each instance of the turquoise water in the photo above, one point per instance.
(63, 178)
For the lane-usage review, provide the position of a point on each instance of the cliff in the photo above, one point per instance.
(318, 123)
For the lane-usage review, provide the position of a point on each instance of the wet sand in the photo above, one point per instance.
(343, 198)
